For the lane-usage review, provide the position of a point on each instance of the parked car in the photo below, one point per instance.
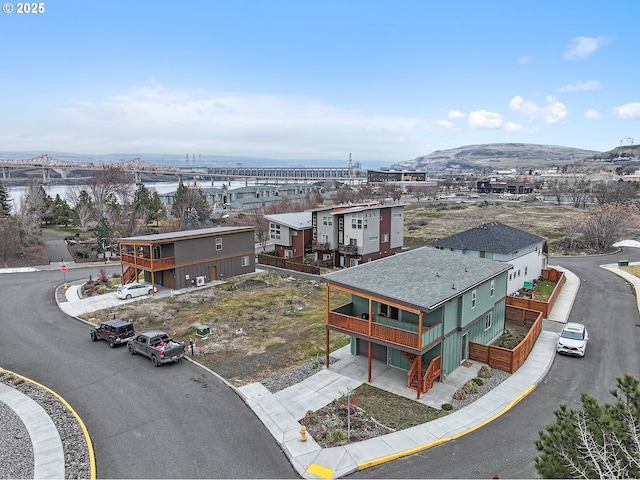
(134, 289)
(116, 332)
(573, 339)
(158, 346)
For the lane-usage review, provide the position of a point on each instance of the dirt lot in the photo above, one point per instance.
(427, 222)
(261, 325)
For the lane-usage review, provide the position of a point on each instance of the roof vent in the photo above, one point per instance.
(453, 287)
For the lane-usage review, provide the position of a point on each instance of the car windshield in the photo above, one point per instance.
(572, 335)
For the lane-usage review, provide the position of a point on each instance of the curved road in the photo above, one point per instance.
(177, 421)
(607, 305)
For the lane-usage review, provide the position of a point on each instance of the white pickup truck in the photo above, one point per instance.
(158, 346)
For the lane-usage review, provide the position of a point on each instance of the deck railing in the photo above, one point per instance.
(388, 333)
(155, 264)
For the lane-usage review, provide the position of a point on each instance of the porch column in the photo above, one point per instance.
(369, 354)
(326, 333)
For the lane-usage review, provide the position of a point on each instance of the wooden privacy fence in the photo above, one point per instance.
(293, 263)
(503, 358)
(544, 307)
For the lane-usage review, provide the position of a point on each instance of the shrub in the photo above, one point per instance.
(459, 394)
(479, 381)
(471, 387)
(446, 406)
(337, 436)
(485, 372)
(310, 418)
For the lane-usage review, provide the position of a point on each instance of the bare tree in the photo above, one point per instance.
(82, 206)
(557, 189)
(104, 182)
(618, 191)
(579, 190)
(30, 213)
(610, 223)
(10, 244)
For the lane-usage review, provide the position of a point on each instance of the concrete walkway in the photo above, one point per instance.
(280, 411)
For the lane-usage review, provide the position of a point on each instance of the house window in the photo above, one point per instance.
(493, 288)
(353, 262)
(325, 238)
(357, 223)
(294, 233)
(487, 320)
(327, 220)
(474, 295)
(218, 243)
(385, 237)
(373, 239)
(244, 261)
(274, 231)
(288, 253)
(525, 270)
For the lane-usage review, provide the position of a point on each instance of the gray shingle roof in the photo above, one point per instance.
(422, 278)
(490, 237)
(295, 220)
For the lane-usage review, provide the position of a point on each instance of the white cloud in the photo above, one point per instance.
(553, 112)
(164, 120)
(580, 86)
(456, 114)
(485, 119)
(446, 124)
(524, 60)
(511, 127)
(628, 111)
(582, 47)
(592, 114)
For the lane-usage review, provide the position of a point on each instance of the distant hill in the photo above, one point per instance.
(497, 156)
(625, 151)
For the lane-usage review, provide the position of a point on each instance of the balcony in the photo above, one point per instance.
(404, 335)
(348, 249)
(148, 263)
(321, 247)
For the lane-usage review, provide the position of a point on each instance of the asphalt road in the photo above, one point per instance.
(175, 421)
(607, 305)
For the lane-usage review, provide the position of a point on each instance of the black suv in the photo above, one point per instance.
(116, 332)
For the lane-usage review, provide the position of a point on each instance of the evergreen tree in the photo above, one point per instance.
(5, 202)
(103, 234)
(599, 441)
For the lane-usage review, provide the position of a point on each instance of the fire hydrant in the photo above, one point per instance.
(303, 433)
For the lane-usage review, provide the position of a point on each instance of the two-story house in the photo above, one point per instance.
(190, 258)
(503, 243)
(358, 233)
(418, 310)
(290, 233)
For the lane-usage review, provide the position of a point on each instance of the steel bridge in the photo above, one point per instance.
(137, 166)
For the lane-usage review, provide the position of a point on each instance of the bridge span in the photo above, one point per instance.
(137, 167)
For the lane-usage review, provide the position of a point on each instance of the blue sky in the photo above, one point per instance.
(386, 81)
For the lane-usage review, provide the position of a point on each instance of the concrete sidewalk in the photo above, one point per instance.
(280, 411)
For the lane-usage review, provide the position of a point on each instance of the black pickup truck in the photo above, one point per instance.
(116, 332)
(158, 346)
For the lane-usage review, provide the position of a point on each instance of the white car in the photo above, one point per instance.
(134, 289)
(573, 339)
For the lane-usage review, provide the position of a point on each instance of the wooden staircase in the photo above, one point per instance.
(429, 373)
(129, 275)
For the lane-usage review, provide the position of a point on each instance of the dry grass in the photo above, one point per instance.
(282, 322)
(428, 222)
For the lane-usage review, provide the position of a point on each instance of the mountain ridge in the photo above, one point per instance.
(498, 156)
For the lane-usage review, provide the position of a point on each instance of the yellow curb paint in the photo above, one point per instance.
(411, 451)
(92, 458)
(320, 471)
